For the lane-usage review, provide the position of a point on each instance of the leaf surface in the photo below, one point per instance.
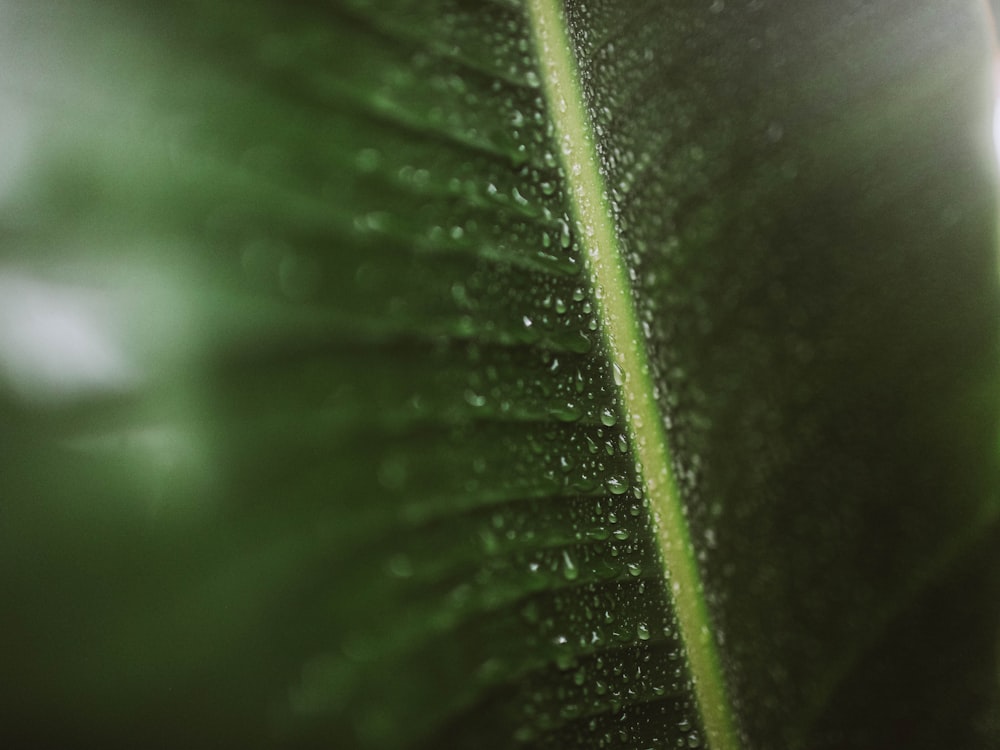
(462, 374)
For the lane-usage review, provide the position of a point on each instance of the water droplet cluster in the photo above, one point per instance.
(430, 503)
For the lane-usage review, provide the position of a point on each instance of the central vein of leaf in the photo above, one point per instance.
(596, 230)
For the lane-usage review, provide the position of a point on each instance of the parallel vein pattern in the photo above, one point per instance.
(375, 456)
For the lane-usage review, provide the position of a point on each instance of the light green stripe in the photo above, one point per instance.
(596, 231)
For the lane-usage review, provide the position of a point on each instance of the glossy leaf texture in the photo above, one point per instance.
(807, 212)
(310, 435)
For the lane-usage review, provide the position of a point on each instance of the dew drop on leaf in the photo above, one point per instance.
(570, 570)
(618, 373)
(617, 485)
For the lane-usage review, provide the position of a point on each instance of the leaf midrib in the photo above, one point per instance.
(608, 277)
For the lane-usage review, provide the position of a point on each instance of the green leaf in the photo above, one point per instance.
(464, 374)
(604, 258)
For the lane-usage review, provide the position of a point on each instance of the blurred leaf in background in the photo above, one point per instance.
(314, 429)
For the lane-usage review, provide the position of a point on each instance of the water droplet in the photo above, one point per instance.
(570, 571)
(710, 539)
(565, 240)
(608, 416)
(619, 374)
(622, 444)
(566, 412)
(617, 485)
(474, 399)
(642, 630)
(401, 566)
